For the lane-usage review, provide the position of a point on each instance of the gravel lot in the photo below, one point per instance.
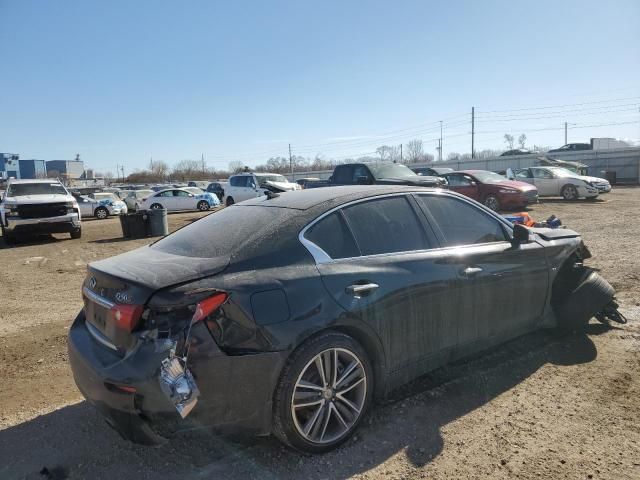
(538, 407)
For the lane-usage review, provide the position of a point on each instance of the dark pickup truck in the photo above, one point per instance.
(376, 174)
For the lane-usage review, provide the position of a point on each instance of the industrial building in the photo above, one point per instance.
(65, 169)
(12, 166)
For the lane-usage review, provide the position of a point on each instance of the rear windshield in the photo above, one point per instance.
(20, 189)
(224, 232)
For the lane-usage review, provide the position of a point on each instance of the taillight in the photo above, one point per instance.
(126, 316)
(206, 307)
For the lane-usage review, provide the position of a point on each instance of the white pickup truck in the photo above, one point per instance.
(38, 206)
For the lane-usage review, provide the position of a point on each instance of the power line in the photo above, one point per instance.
(562, 106)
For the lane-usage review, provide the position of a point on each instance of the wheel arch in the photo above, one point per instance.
(369, 341)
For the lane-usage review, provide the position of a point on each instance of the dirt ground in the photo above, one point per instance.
(541, 406)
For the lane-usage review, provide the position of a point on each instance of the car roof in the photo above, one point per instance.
(306, 199)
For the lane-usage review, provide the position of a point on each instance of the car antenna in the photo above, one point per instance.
(271, 195)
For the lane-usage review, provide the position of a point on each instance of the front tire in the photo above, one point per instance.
(156, 206)
(101, 213)
(492, 202)
(75, 234)
(323, 393)
(230, 201)
(569, 192)
(203, 206)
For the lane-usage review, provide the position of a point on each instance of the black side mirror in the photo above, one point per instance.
(520, 234)
(363, 180)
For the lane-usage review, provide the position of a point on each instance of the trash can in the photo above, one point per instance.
(134, 225)
(157, 222)
(611, 176)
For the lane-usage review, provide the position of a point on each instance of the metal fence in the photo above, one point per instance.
(625, 162)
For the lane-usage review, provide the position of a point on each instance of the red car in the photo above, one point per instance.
(495, 191)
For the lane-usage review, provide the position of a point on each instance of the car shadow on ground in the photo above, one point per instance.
(587, 201)
(78, 443)
(28, 241)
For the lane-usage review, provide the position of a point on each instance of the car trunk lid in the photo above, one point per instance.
(117, 289)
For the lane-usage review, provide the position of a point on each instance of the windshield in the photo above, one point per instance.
(20, 189)
(563, 172)
(106, 196)
(391, 170)
(271, 178)
(489, 177)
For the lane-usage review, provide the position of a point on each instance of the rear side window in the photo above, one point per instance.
(238, 181)
(332, 235)
(343, 174)
(461, 223)
(224, 232)
(386, 225)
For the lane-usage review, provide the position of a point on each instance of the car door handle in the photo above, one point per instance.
(357, 290)
(471, 271)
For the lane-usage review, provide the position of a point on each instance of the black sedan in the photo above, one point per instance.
(290, 313)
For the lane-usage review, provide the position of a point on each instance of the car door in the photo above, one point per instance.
(524, 175)
(380, 266)
(86, 205)
(184, 200)
(464, 184)
(501, 288)
(164, 198)
(545, 182)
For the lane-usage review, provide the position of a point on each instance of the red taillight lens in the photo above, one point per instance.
(205, 307)
(126, 316)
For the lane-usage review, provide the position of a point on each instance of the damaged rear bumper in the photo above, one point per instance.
(235, 391)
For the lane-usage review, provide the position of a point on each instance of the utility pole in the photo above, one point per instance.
(202, 160)
(117, 173)
(290, 162)
(440, 149)
(401, 160)
(122, 170)
(151, 164)
(565, 133)
(473, 131)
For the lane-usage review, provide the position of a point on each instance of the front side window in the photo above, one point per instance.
(386, 225)
(541, 173)
(461, 223)
(180, 193)
(332, 235)
(458, 181)
(524, 173)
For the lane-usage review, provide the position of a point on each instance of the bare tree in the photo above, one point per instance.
(522, 139)
(415, 152)
(453, 156)
(384, 151)
(236, 166)
(509, 140)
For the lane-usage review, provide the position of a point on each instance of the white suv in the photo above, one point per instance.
(38, 206)
(250, 185)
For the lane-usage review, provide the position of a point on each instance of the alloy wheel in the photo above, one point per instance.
(569, 192)
(492, 203)
(329, 396)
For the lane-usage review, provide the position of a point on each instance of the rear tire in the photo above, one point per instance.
(569, 192)
(584, 302)
(101, 213)
(492, 202)
(230, 201)
(75, 234)
(156, 206)
(331, 380)
(203, 206)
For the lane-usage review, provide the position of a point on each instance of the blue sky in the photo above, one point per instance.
(122, 81)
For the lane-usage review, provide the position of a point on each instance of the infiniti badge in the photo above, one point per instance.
(92, 282)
